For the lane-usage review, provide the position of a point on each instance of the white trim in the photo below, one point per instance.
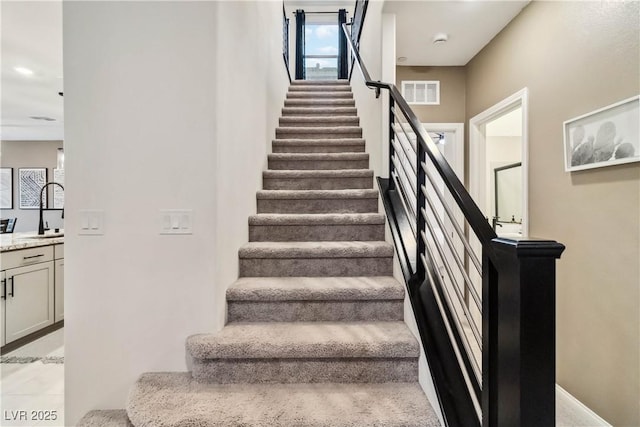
(477, 150)
(458, 128)
(426, 83)
(586, 412)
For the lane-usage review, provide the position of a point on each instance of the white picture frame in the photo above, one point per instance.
(58, 193)
(6, 188)
(31, 181)
(604, 137)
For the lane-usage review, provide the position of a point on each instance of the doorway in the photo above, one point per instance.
(498, 165)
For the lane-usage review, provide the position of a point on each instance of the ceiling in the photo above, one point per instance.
(31, 36)
(470, 25)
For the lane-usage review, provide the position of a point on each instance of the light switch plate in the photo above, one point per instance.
(176, 221)
(91, 222)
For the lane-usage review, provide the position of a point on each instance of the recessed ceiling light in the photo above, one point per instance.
(24, 71)
(440, 38)
(402, 58)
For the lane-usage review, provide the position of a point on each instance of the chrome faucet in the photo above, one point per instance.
(41, 224)
(495, 223)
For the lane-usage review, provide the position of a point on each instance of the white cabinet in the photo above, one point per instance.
(59, 283)
(28, 290)
(29, 304)
(3, 297)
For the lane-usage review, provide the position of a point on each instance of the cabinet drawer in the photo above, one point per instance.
(58, 251)
(24, 257)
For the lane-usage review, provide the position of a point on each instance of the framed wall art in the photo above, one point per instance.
(58, 193)
(31, 181)
(6, 188)
(605, 137)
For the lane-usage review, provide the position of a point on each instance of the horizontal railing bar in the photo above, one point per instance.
(403, 199)
(447, 208)
(405, 175)
(454, 282)
(456, 257)
(464, 338)
(399, 123)
(470, 209)
(473, 383)
(396, 146)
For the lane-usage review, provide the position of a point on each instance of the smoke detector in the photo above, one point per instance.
(440, 38)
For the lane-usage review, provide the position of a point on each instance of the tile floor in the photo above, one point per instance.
(33, 391)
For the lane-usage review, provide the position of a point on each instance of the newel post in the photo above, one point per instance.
(519, 333)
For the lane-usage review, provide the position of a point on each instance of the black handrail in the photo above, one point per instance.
(517, 385)
(285, 41)
(468, 206)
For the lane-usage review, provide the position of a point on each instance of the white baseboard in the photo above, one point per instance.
(573, 406)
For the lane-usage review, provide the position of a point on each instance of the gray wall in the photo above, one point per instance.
(452, 92)
(30, 154)
(576, 57)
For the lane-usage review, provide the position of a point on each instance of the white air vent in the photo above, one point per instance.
(425, 92)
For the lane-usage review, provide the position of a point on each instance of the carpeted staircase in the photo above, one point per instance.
(315, 333)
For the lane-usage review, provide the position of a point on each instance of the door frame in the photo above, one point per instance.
(458, 129)
(478, 149)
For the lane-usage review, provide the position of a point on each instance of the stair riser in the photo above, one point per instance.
(318, 112)
(320, 82)
(315, 267)
(318, 206)
(319, 102)
(308, 148)
(227, 371)
(317, 122)
(318, 165)
(315, 311)
(317, 183)
(318, 88)
(302, 133)
(316, 95)
(315, 233)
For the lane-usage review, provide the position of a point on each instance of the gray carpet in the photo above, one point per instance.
(315, 333)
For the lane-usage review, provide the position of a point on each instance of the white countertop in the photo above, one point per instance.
(15, 241)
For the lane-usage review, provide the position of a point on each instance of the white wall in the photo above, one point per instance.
(370, 108)
(256, 83)
(156, 94)
(388, 75)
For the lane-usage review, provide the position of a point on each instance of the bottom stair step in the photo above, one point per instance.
(106, 418)
(175, 399)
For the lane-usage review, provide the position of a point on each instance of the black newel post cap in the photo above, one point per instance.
(529, 247)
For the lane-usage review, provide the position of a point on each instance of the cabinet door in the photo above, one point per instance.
(59, 295)
(3, 295)
(29, 303)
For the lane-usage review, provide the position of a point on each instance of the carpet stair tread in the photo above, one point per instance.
(177, 400)
(306, 340)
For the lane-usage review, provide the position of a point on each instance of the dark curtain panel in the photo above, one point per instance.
(343, 65)
(299, 44)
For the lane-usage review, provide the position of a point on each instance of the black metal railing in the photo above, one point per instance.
(285, 40)
(485, 306)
